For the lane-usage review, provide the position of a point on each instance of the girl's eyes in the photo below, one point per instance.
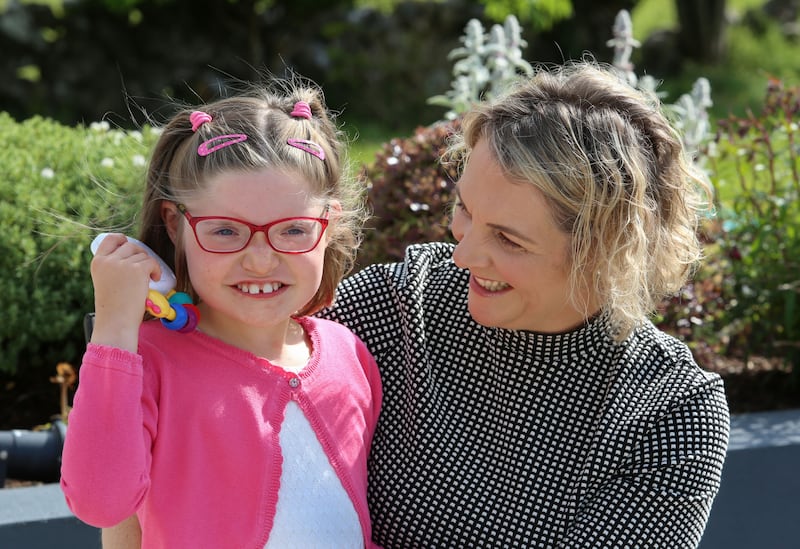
(294, 230)
(224, 231)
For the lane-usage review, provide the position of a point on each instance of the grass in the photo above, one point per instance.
(365, 140)
(653, 15)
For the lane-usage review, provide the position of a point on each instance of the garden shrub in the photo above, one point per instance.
(756, 169)
(410, 192)
(743, 301)
(57, 182)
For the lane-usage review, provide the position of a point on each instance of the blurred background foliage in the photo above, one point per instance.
(378, 60)
(69, 64)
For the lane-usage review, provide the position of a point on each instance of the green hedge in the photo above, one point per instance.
(56, 184)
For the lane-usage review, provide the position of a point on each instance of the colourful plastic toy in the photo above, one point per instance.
(175, 309)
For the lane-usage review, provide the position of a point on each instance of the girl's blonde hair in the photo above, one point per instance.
(263, 114)
(615, 175)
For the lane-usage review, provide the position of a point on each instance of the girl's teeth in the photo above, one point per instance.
(254, 289)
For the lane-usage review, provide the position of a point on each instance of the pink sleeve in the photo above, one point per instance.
(374, 380)
(106, 459)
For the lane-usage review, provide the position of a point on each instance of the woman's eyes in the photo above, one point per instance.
(507, 242)
(504, 241)
(458, 206)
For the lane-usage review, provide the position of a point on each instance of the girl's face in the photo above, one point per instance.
(256, 287)
(516, 255)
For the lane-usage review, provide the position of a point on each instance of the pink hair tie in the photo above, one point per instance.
(301, 110)
(198, 118)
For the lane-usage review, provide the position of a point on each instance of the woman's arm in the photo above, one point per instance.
(662, 498)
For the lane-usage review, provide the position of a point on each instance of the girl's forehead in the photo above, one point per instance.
(263, 190)
(276, 183)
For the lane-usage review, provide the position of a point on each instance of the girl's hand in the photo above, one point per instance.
(121, 274)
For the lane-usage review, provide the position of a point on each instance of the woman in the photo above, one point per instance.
(528, 400)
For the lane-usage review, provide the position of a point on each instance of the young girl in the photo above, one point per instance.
(253, 428)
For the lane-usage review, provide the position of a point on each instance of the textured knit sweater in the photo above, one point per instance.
(186, 433)
(498, 438)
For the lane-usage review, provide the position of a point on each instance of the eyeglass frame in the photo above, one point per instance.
(193, 221)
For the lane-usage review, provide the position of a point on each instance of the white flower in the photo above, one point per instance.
(48, 173)
(138, 160)
(100, 126)
(107, 163)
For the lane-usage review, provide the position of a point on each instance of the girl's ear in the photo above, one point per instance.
(171, 217)
(334, 212)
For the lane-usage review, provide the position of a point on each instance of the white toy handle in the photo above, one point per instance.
(163, 285)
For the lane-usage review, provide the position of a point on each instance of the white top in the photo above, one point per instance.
(312, 503)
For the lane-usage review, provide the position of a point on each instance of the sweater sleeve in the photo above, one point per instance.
(374, 380)
(106, 459)
(662, 497)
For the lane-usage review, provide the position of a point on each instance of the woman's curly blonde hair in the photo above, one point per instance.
(615, 175)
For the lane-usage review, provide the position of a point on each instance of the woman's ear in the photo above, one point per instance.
(171, 217)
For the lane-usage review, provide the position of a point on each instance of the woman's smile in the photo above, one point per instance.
(490, 286)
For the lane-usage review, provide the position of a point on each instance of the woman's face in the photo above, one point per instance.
(516, 255)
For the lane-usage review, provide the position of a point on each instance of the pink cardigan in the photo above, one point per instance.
(185, 433)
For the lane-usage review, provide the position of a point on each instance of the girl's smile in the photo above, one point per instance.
(256, 288)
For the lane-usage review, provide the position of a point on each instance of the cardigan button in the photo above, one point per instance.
(294, 382)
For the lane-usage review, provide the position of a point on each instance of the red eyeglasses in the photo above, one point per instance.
(227, 235)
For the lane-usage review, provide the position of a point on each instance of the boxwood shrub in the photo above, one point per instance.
(57, 184)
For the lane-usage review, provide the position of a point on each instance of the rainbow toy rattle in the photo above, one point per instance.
(175, 309)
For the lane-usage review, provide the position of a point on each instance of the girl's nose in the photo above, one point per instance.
(258, 255)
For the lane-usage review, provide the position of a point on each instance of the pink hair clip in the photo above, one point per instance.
(220, 142)
(198, 118)
(301, 110)
(307, 146)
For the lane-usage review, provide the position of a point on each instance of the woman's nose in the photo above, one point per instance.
(470, 251)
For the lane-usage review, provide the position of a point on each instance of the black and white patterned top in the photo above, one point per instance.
(497, 438)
